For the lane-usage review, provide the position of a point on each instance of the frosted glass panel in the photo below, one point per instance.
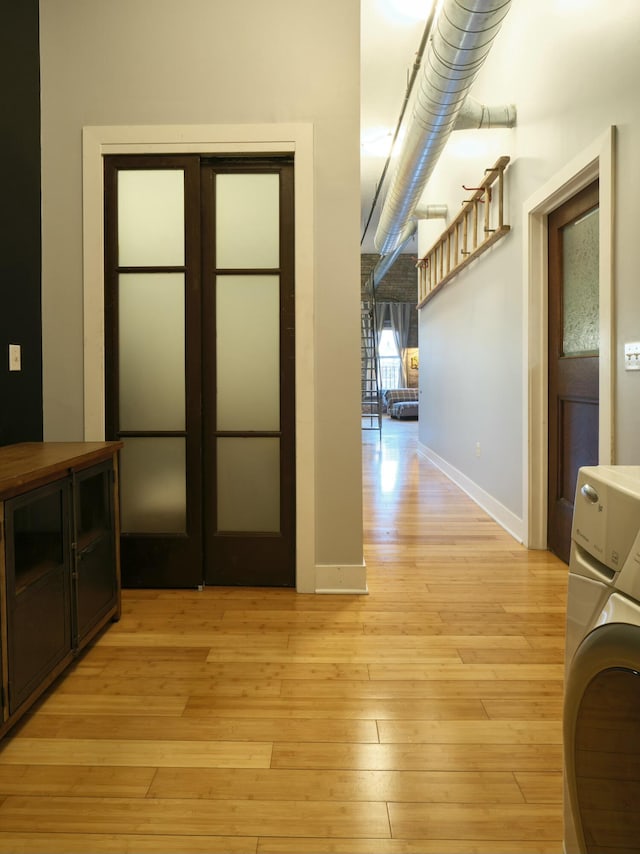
(153, 496)
(580, 282)
(247, 221)
(152, 351)
(248, 352)
(151, 218)
(248, 484)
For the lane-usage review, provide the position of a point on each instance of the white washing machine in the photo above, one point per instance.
(602, 665)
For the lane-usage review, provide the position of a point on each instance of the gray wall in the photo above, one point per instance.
(134, 62)
(572, 72)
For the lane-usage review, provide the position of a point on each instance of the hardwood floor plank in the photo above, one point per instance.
(470, 732)
(60, 703)
(246, 818)
(354, 653)
(217, 729)
(512, 656)
(540, 788)
(206, 639)
(98, 781)
(83, 668)
(312, 626)
(547, 641)
(410, 786)
(490, 627)
(509, 672)
(174, 654)
(156, 686)
(418, 688)
(524, 709)
(338, 708)
(127, 752)
(356, 611)
(466, 821)
(221, 670)
(484, 625)
(421, 646)
(420, 757)
(116, 843)
(404, 846)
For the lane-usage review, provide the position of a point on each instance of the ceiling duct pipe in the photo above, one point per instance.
(476, 116)
(386, 262)
(461, 42)
(431, 212)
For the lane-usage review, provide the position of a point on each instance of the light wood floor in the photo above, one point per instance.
(424, 718)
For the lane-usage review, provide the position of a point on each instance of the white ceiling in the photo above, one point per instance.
(391, 35)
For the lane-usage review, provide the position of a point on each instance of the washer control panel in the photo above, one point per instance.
(606, 516)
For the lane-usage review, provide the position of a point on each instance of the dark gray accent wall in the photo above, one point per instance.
(20, 252)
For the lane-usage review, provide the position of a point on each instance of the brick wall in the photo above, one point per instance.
(400, 284)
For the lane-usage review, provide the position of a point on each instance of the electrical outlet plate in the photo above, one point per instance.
(15, 357)
(632, 356)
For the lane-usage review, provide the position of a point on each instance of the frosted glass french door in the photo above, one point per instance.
(200, 373)
(248, 372)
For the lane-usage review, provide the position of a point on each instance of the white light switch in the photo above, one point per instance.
(15, 357)
(632, 356)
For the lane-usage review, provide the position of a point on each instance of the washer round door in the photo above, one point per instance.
(602, 738)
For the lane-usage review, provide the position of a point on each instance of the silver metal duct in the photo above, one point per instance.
(386, 262)
(431, 212)
(476, 116)
(461, 42)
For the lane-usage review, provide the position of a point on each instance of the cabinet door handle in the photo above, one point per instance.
(90, 548)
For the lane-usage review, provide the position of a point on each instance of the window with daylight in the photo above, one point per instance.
(390, 367)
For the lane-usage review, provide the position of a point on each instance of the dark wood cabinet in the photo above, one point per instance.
(95, 585)
(59, 561)
(37, 587)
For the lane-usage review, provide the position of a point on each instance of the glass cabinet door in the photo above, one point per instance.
(38, 587)
(94, 547)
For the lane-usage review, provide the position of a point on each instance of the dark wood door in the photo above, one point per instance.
(199, 263)
(573, 357)
(152, 342)
(248, 372)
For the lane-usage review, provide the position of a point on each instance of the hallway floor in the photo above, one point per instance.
(424, 718)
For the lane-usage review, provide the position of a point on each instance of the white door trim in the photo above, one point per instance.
(597, 161)
(210, 139)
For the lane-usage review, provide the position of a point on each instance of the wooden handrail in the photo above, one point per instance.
(461, 243)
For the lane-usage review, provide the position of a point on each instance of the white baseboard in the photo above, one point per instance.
(341, 579)
(512, 524)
